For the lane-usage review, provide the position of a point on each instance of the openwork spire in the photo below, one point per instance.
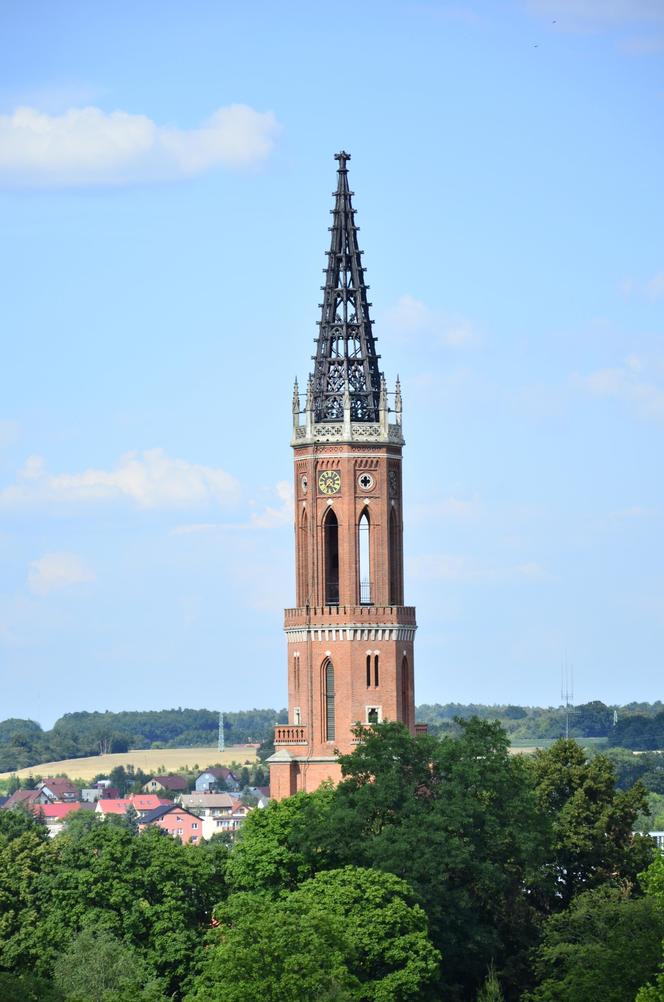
(346, 363)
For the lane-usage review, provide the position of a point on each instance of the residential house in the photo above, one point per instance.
(55, 815)
(142, 803)
(171, 783)
(214, 809)
(219, 812)
(28, 798)
(92, 794)
(60, 789)
(176, 820)
(261, 794)
(216, 778)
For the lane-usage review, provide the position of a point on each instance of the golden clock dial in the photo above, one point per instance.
(329, 482)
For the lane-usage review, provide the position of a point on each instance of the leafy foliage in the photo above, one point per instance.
(350, 934)
(591, 822)
(604, 946)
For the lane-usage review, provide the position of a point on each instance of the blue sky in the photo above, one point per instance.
(165, 176)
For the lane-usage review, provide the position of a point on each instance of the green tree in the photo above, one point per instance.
(653, 883)
(491, 990)
(149, 891)
(591, 821)
(98, 967)
(604, 946)
(278, 847)
(457, 819)
(26, 858)
(27, 988)
(349, 934)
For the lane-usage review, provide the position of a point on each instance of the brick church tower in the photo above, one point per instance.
(350, 637)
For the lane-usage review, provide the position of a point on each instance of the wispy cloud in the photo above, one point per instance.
(151, 479)
(272, 516)
(652, 288)
(628, 383)
(410, 318)
(451, 508)
(55, 571)
(88, 146)
(467, 569)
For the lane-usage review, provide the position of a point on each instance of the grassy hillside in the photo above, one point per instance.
(150, 760)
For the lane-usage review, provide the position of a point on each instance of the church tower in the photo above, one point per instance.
(350, 637)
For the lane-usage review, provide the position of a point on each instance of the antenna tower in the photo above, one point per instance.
(567, 692)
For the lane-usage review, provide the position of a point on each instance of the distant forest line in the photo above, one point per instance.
(639, 726)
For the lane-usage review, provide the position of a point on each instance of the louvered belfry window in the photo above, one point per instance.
(329, 702)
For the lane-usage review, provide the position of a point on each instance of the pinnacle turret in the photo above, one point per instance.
(346, 361)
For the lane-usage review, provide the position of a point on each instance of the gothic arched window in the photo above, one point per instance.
(405, 692)
(364, 566)
(303, 562)
(328, 699)
(331, 549)
(396, 587)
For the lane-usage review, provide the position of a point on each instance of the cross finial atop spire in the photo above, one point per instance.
(342, 157)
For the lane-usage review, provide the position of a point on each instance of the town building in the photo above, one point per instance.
(55, 815)
(217, 778)
(175, 820)
(171, 784)
(350, 636)
(60, 789)
(142, 803)
(219, 812)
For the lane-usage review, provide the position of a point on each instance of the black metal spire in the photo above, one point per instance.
(346, 359)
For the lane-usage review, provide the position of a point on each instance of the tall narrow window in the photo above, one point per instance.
(303, 559)
(376, 669)
(405, 694)
(368, 670)
(328, 676)
(296, 672)
(395, 560)
(331, 535)
(364, 555)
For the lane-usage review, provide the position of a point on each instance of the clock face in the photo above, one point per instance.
(329, 482)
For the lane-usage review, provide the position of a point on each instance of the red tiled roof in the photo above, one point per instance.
(54, 811)
(58, 785)
(22, 797)
(140, 801)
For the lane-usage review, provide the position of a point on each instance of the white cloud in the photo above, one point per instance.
(410, 318)
(274, 516)
(625, 383)
(151, 479)
(54, 571)
(90, 146)
(461, 568)
(271, 517)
